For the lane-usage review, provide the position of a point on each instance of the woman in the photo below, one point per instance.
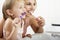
(35, 23)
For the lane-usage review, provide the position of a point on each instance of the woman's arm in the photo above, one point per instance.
(37, 24)
(26, 24)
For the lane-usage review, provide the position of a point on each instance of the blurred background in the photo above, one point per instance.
(49, 10)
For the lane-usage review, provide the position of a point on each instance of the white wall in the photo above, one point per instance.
(1, 3)
(48, 9)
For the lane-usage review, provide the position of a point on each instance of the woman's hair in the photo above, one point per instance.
(8, 4)
(31, 0)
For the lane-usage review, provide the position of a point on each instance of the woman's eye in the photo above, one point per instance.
(34, 4)
(28, 4)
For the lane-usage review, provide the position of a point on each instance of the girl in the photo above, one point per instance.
(13, 14)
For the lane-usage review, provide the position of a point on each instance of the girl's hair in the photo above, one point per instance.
(8, 4)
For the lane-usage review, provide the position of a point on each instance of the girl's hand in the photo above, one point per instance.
(17, 22)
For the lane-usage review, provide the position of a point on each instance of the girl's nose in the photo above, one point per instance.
(24, 9)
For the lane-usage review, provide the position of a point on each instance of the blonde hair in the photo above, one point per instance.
(8, 4)
(27, 0)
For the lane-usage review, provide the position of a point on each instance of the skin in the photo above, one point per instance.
(1, 28)
(37, 27)
(30, 5)
(17, 9)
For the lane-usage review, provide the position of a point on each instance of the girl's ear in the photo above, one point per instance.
(8, 11)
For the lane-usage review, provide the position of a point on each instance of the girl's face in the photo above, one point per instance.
(18, 9)
(30, 5)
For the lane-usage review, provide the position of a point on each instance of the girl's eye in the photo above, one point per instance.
(28, 4)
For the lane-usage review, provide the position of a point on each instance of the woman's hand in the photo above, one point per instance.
(41, 21)
(29, 35)
(23, 35)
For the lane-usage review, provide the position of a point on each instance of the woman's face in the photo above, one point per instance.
(30, 5)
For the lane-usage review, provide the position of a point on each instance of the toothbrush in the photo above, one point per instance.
(22, 17)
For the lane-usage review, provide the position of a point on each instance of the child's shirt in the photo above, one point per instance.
(20, 31)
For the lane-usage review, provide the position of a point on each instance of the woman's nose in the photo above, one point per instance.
(32, 7)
